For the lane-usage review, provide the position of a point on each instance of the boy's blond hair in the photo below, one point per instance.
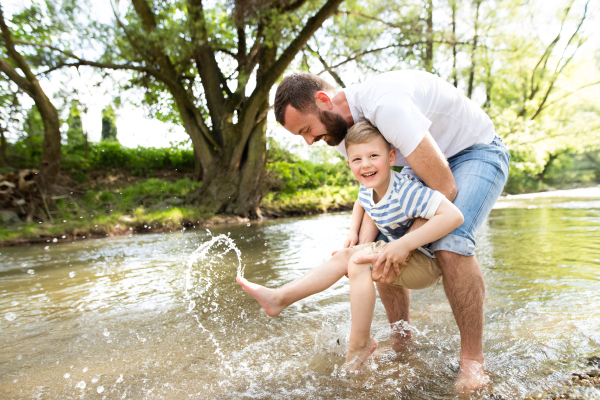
(363, 132)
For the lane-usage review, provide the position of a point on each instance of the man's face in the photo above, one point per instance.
(326, 125)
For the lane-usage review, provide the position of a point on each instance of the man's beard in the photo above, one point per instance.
(335, 126)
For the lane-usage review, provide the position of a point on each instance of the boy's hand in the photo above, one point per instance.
(351, 240)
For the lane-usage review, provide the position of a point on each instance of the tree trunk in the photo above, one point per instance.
(429, 36)
(51, 155)
(474, 51)
(3, 146)
(454, 72)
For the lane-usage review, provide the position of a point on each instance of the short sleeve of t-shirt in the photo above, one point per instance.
(399, 120)
(421, 201)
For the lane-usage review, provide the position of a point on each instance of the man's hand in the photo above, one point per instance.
(388, 264)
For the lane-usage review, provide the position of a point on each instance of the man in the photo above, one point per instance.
(443, 139)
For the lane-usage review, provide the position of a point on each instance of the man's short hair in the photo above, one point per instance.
(298, 90)
(363, 132)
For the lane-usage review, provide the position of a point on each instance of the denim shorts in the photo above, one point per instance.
(480, 172)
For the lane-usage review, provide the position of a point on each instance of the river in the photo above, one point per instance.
(136, 317)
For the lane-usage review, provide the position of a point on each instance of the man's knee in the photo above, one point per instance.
(387, 290)
(450, 260)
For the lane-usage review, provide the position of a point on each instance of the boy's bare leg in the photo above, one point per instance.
(274, 301)
(465, 289)
(396, 301)
(362, 305)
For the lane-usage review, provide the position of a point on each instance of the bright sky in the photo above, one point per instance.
(135, 128)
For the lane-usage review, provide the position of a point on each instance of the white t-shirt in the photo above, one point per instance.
(404, 105)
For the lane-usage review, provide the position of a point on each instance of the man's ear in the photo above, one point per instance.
(392, 157)
(324, 98)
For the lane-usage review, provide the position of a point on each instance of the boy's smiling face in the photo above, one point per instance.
(371, 163)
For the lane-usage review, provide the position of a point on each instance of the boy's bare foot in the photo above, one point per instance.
(472, 376)
(268, 298)
(356, 358)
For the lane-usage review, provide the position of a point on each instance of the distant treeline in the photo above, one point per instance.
(286, 173)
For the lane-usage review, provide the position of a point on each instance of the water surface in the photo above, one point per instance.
(113, 318)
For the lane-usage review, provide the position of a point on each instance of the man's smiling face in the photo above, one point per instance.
(326, 125)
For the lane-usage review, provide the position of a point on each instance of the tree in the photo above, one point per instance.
(76, 137)
(11, 61)
(238, 50)
(109, 127)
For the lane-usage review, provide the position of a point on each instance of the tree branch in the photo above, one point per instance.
(271, 76)
(14, 76)
(327, 67)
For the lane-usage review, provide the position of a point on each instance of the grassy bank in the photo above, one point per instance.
(114, 206)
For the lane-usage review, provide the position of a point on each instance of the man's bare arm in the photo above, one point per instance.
(429, 164)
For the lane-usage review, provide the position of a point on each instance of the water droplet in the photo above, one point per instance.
(100, 389)
(14, 303)
(120, 378)
(67, 375)
(63, 237)
(19, 357)
(85, 369)
(248, 224)
(80, 385)
(72, 274)
(54, 240)
(11, 316)
(47, 248)
(95, 379)
(106, 332)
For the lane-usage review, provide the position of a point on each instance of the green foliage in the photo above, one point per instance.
(287, 173)
(76, 138)
(141, 160)
(109, 127)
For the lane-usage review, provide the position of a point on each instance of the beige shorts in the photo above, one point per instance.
(419, 273)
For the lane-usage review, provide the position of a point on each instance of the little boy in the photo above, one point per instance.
(393, 201)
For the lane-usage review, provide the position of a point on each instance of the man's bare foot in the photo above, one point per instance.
(356, 358)
(472, 376)
(268, 298)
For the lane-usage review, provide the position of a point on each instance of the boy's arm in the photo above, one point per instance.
(355, 224)
(447, 218)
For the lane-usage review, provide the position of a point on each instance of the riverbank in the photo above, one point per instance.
(118, 203)
(116, 206)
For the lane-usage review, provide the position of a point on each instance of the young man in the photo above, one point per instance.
(444, 140)
(393, 201)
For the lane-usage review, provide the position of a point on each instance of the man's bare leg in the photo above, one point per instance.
(396, 301)
(465, 289)
(274, 301)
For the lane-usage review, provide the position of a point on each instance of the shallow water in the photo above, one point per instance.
(114, 318)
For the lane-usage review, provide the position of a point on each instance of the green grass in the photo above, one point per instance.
(158, 205)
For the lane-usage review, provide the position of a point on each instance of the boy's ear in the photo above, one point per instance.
(392, 157)
(348, 162)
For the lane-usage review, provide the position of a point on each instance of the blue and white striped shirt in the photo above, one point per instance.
(405, 200)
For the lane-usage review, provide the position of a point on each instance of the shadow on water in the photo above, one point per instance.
(142, 317)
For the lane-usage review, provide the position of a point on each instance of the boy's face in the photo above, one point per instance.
(371, 162)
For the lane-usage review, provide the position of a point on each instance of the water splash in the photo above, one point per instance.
(204, 267)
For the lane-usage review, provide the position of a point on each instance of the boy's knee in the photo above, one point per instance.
(345, 254)
(356, 269)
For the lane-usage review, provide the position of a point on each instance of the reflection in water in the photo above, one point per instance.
(112, 318)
